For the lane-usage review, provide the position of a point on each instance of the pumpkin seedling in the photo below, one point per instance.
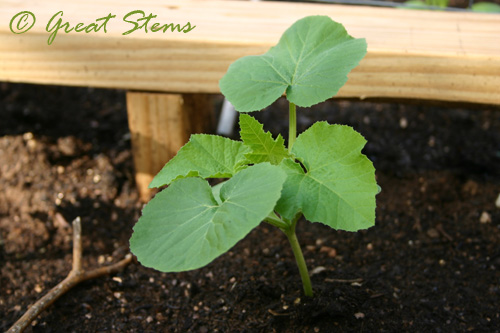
(322, 174)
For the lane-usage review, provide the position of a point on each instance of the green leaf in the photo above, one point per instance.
(486, 7)
(415, 4)
(263, 148)
(310, 62)
(206, 156)
(338, 185)
(184, 227)
(216, 192)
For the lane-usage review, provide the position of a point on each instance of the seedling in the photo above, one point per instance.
(321, 175)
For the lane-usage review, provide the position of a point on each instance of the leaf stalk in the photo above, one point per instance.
(274, 220)
(292, 128)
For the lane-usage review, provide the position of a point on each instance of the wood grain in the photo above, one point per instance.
(411, 54)
(160, 124)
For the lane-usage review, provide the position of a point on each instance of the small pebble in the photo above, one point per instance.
(359, 315)
(31, 144)
(403, 123)
(310, 248)
(485, 217)
(432, 141)
(318, 270)
(332, 253)
(28, 136)
(96, 179)
(369, 246)
(497, 203)
(433, 233)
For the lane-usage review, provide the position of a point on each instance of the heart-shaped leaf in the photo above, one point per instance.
(185, 227)
(338, 185)
(310, 62)
(486, 7)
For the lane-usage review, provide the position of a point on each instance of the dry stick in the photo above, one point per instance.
(344, 280)
(74, 277)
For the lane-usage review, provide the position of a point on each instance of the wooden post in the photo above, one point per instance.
(160, 124)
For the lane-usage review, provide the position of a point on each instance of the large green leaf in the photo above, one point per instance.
(263, 148)
(310, 62)
(184, 227)
(206, 156)
(338, 185)
(486, 7)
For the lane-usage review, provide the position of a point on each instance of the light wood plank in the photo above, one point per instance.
(160, 124)
(412, 54)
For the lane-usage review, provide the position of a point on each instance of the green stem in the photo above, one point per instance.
(274, 220)
(299, 258)
(292, 129)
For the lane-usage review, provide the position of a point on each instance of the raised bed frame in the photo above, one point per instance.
(431, 55)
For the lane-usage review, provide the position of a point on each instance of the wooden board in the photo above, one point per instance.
(411, 54)
(160, 124)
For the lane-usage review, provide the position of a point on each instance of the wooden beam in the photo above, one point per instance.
(160, 124)
(411, 53)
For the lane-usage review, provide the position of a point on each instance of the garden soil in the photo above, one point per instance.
(430, 264)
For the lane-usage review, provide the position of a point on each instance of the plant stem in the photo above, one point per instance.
(299, 257)
(292, 126)
(274, 220)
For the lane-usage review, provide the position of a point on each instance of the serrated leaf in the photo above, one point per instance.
(205, 156)
(263, 148)
(338, 185)
(184, 227)
(310, 62)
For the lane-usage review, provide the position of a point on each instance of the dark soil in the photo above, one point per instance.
(431, 263)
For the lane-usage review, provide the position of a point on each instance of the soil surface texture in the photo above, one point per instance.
(430, 264)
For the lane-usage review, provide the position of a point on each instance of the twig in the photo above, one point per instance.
(277, 314)
(440, 228)
(74, 277)
(344, 280)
